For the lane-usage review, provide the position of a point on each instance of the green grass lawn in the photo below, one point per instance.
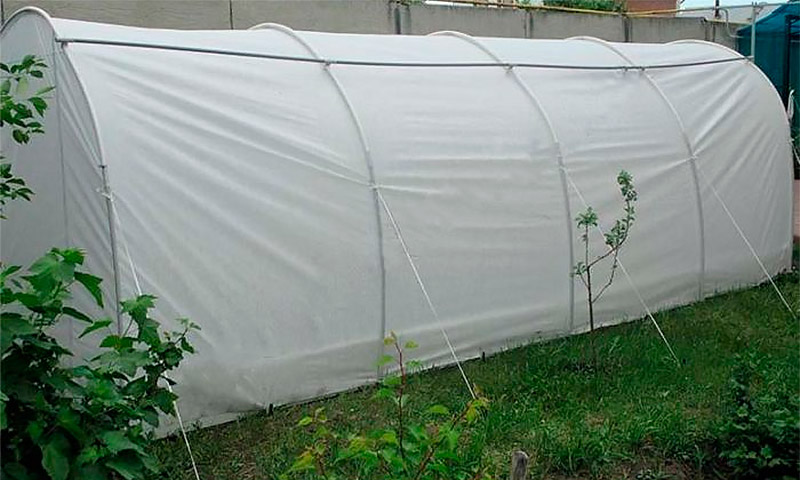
(635, 413)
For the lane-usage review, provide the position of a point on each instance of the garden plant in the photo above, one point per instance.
(61, 417)
(428, 450)
(614, 239)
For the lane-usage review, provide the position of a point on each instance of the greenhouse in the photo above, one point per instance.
(301, 195)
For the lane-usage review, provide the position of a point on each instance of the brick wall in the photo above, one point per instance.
(648, 5)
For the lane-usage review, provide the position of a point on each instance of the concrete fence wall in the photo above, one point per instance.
(376, 16)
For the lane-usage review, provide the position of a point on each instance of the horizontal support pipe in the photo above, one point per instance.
(364, 63)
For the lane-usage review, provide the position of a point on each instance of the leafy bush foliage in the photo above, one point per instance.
(86, 421)
(403, 451)
(603, 5)
(20, 110)
(92, 421)
(23, 114)
(761, 438)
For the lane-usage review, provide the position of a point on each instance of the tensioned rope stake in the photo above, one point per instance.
(139, 291)
(376, 194)
(747, 242)
(421, 284)
(185, 437)
(628, 277)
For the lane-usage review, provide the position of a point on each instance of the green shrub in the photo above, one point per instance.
(603, 5)
(761, 438)
(434, 450)
(87, 422)
(22, 113)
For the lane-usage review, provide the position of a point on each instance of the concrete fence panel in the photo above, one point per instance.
(485, 22)
(550, 24)
(660, 29)
(352, 16)
(179, 14)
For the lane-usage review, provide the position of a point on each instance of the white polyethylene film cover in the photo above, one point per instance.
(266, 198)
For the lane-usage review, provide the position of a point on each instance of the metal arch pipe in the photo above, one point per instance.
(289, 32)
(734, 56)
(107, 192)
(556, 145)
(101, 163)
(367, 157)
(689, 148)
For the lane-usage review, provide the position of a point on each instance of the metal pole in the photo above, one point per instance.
(753, 32)
(787, 66)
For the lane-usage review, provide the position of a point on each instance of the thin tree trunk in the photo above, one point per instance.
(591, 315)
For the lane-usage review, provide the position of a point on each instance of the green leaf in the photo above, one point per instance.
(16, 471)
(385, 359)
(411, 345)
(76, 314)
(165, 400)
(3, 419)
(117, 441)
(38, 104)
(11, 327)
(7, 272)
(62, 381)
(35, 429)
(150, 415)
(91, 471)
(96, 325)
(148, 331)
(50, 270)
(19, 136)
(72, 255)
(305, 461)
(55, 458)
(149, 463)
(92, 284)
(70, 420)
(305, 421)
(439, 410)
(116, 342)
(186, 346)
(389, 437)
(128, 466)
(392, 381)
(384, 393)
(138, 307)
(47, 262)
(124, 361)
(44, 91)
(91, 454)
